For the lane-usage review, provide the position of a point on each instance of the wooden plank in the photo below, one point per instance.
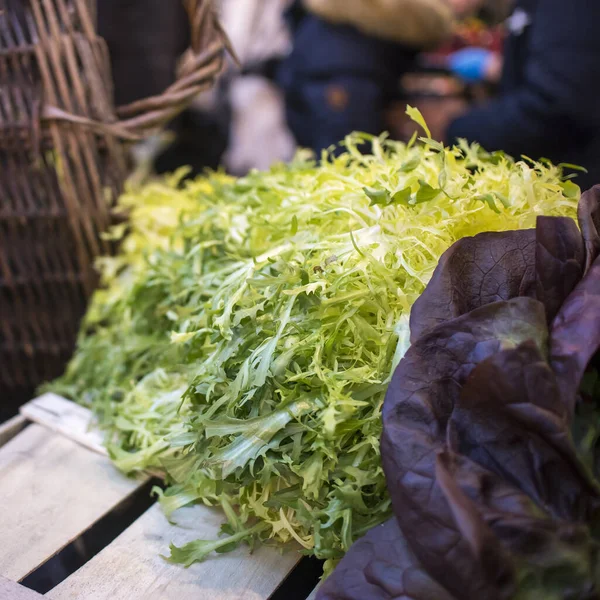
(10, 429)
(9, 590)
(51, 490)
(131, 568)
(67, 418)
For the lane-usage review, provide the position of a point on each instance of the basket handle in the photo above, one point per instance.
(198, 68)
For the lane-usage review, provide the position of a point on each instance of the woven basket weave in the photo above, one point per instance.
(63, 162)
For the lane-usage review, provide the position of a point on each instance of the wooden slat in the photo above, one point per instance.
(9, 590)
(131, 568)
(10, 429)
(51, 490)
(67, 418)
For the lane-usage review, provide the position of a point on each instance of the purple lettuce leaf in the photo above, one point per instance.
(588, 215)
(544, 557)
(575, 335)
(381, 566)
(559, 261)
(510, 420)
(476, 271)
(418, 406)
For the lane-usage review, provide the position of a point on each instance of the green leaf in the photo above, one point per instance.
(502, 199)
(129, 462)
(417, 117)
(570, 189)
(377, 197)
(402, 196)
(311, 472)
(252, 437)
(413, 139)
(572, 167)
(438, 146)
(181, 338)
(411, 164)
(199, 550)
(426, 193)
(175, 497)
(443, 178)
(489, 200)
(294, 225)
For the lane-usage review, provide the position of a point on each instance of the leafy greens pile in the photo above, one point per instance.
(246, 333)
(491, 496)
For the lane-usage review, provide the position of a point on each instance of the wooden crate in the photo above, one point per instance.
(56, 483)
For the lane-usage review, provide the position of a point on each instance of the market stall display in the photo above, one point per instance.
(247, 332)
(383, 362)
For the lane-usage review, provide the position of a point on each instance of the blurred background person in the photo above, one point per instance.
(463, 72)
(347, 58)
(547, 105)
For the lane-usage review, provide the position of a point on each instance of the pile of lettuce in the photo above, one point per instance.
(489, 445)
(246, 333)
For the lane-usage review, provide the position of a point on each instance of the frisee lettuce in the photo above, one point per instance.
(245, 334)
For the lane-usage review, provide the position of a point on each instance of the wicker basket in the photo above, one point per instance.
(62, 164)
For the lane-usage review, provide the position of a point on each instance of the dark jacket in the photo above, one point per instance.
(548, 106)
(337, 79)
